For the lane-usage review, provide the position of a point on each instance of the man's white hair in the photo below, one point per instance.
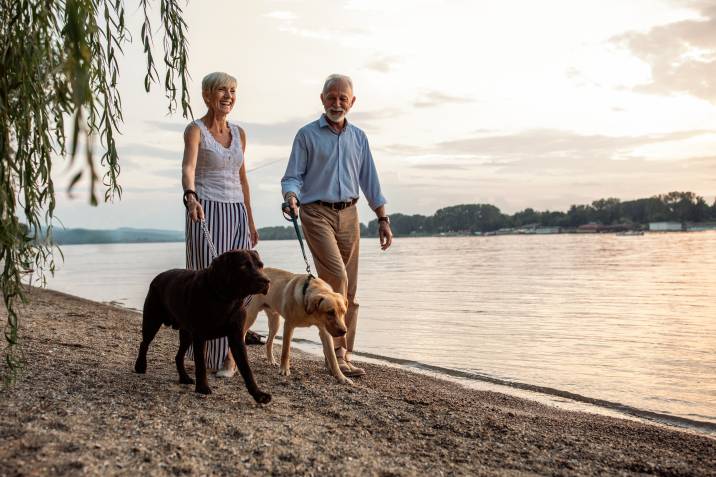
(334, 78)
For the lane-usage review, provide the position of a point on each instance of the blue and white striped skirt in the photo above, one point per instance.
(228, 225)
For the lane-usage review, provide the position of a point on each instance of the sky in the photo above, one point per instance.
(514, 103)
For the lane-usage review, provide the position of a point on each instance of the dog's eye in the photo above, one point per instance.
(331, 313)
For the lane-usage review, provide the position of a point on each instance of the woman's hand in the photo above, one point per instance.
(253, 234)
(194, 209)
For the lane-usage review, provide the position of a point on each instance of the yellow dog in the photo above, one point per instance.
(303, 301)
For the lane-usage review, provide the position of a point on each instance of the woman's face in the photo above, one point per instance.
(222, 99)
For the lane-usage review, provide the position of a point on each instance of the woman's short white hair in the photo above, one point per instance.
(216, 80)
(334, 78)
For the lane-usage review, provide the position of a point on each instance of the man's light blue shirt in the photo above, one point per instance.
(330, 167)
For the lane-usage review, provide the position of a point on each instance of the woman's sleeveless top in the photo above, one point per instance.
(216, 175)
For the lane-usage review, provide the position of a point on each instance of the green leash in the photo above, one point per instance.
(291, 217)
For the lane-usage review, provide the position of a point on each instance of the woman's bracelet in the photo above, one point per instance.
(187, 193)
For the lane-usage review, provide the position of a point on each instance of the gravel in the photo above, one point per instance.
(79, 409)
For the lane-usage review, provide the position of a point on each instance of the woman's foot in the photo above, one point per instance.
(253, 338)
(229, 368)
(226, 373)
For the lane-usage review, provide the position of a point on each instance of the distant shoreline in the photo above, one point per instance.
(137, 236)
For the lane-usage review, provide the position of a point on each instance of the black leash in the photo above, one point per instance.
(291, 217)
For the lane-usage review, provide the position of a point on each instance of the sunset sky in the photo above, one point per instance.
(515, 103)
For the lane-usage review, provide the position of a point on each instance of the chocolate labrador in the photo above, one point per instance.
(203, 305)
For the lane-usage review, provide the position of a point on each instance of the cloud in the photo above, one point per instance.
(145, 150)
(553, 142)
(682, 55)
(311, 24)
(281, 15)
(274, 134)
(437, 98)
(270, 134)
(383, 64)
(542, 143)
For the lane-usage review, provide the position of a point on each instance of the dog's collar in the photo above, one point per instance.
(305, 289)
(305, 285)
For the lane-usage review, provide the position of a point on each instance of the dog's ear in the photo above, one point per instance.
(257, 258)
(225, 271)
(313, 301)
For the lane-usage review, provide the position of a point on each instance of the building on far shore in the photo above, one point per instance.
(588, 228)
(700, 227)
(666, 226)
(548, 230)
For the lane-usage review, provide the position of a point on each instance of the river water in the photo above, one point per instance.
(626, 322)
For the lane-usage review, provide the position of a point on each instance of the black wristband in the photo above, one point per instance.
(187, 193)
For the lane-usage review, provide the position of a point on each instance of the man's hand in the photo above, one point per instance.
(292, 208)
(385, 235)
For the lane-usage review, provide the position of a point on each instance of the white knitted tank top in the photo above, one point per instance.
(217, 167)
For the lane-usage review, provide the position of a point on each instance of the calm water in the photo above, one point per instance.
(629, 320)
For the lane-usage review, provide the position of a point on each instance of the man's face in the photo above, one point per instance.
(337, 101)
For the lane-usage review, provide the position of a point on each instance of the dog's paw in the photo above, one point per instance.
(284, 371)
(273, 362)
(185, 380)
(347, 381)
(262, 397)
(203, 389)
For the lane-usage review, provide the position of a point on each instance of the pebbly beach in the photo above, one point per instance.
(79, 409)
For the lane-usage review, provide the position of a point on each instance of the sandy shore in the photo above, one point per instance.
(79, 409)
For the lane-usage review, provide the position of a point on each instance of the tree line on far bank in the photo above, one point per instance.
(480, 218)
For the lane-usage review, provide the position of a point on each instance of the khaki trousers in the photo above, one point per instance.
(333, 237)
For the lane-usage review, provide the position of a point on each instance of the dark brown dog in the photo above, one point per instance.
(203, 305)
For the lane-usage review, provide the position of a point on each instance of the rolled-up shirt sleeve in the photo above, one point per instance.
(368, 178)
(292, 180)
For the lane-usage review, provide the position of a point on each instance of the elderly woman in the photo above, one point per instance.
(216, 190)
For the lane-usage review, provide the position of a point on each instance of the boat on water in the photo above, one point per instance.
(631, 232)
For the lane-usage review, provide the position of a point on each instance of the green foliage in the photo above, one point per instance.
(471, 218)
(59, 60)
(277, 233)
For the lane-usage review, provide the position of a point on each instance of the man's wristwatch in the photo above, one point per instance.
(385, 219)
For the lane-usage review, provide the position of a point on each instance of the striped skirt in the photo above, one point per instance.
(228, 225)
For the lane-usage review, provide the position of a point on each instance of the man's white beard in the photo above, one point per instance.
(336, 117)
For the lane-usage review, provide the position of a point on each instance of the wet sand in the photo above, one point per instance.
(78, 408)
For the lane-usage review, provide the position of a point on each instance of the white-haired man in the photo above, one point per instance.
(330, 161)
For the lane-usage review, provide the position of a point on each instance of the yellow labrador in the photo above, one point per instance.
(302, 301)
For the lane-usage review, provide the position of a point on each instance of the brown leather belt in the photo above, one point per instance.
(337, 205)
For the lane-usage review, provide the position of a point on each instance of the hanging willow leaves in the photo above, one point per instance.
(60, 69)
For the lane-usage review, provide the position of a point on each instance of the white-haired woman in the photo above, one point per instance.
(216, 190)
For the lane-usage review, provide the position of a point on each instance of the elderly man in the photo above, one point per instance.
(329, 161)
